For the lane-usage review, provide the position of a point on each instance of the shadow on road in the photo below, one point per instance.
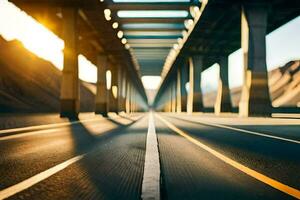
(113, 169)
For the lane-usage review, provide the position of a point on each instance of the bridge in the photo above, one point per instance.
(115, 104)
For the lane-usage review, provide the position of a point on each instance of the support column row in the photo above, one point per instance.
(255, 97)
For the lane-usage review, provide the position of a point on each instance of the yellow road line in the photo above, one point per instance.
(261, 177)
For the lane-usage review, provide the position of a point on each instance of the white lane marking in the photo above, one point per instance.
(245, 131)
(9, 137)
(151, 177)
(261, 177)
(19, 187)
(37, 127)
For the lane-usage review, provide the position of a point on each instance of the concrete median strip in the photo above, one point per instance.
(261, 177)
(19, 187)
(151, 177)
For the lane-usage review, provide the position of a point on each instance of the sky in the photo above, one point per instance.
(282, 46)
(16, 24)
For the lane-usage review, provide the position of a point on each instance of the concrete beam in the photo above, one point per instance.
(223, 100)
(102, 93)
(255, 99)
(70, 96)
(150, 6)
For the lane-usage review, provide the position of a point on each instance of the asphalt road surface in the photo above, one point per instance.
(152, 155)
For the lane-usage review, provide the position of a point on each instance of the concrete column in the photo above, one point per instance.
(223, 100)
(114, 85)
(120, 88)
(195, 102)
(178, 91)
(170, 99)
(173, 88)
(184, 80)
(102, 94)
(255, 99)
(131, 99)
(132, 106)
(128, 97)
(135, 101)
(69, 94)
(124, 89)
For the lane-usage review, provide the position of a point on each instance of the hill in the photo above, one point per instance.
(31, 84)
(284, 85)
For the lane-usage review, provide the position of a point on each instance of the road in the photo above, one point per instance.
(179, 156)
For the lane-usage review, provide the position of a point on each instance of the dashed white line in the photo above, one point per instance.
(19, 187)
(151, 177)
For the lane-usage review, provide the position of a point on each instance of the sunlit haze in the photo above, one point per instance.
(282, 46)
(38, 39)
(151, 82)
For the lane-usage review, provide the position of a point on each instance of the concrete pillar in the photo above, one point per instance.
(131, 99)
(120, 88)
(124, 89)
(69, 96)
(114, 85)
(195, 102)
(173, 88)
(101, 94)
(135, 101)
(223, 100)
(132, 106)
(184, 80)
(178, 91)
(170, 99)
(128, 97)
(255, 99)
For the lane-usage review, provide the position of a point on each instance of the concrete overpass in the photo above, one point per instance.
(204, 34)
(221, 28)
(173, 149)
(85, 28)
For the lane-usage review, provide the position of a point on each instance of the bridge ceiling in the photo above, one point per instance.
(218, 31)
(151, 28)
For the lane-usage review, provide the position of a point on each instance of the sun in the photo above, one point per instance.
(38, 39)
